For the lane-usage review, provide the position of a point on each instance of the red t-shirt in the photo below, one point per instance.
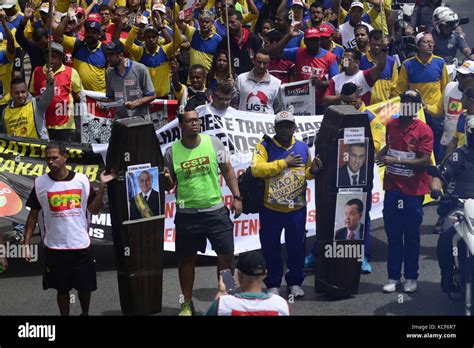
(416, 139)
(110, 30)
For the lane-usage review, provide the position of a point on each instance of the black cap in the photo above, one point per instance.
(410, 96)
(252, 263)
(348, 88)
(114, 46)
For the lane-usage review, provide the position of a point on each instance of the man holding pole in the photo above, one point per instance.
(240, 43)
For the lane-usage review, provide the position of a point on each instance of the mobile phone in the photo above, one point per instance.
(228, 281)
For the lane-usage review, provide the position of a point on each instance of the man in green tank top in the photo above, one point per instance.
(192, 164)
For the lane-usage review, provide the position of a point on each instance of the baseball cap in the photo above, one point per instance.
(420, 36)
(298, 2)
(8, 4)
(357, 4)
(151, 28)
(81, 11)
(312, 32)
(466, 68)
(252, 263)
(284, 116)
(144, 20)
(94, 17)
(159, 7)
(114, 46)
(92, 25)
(325, 30)
(207, 14)
(44, 7)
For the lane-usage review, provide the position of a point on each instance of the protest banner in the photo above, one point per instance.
(299, 96)
(97, 116)
(21, 160)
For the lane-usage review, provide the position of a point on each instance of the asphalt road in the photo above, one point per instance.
(21, 287)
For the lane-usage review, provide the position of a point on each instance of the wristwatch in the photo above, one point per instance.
(239, 198)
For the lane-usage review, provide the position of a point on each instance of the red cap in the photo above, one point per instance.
(312, 32)
(94, 17)
(325, 30)
(81, 10)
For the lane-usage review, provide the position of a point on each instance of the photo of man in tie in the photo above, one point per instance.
(147, 202)
(353, 214)
(354, 171)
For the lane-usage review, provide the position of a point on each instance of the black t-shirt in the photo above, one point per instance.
(33, 202)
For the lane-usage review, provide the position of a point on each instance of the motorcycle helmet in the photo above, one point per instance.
(446, 16)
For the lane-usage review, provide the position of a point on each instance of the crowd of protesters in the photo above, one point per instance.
(220, 54)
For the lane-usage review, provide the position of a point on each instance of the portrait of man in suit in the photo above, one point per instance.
(147, 202)
(354, 229)
(354, 171)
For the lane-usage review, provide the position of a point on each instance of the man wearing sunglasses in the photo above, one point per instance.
(192, 165)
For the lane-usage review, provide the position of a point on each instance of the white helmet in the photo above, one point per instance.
(446, 16)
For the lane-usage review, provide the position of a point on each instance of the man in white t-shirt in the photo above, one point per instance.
(257, 90)
(363, 79)
(347, 29)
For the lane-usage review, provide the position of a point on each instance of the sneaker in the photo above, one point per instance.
(365, 268)
(273, 291)
(438, 227)
(410, 285)
(187, 309)
(391, 286)
(309, 261)
(296, 291)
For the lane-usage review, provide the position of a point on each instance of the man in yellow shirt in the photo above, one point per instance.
(284, 164)
(155, 57)
(428, 74)
(203, 41)
(24, 115)
(7, 55)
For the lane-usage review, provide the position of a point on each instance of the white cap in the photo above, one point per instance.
(144, 20)
(466, 68)
(159, 7)
(298, 2)
(284, 116)
(9, 4)
(420, 36)
(357, 4)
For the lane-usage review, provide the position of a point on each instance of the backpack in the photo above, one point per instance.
(252, 188)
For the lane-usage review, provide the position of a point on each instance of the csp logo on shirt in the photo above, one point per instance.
(64, 200)
(196, 167)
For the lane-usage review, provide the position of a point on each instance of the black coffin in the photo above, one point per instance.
(138, 245)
